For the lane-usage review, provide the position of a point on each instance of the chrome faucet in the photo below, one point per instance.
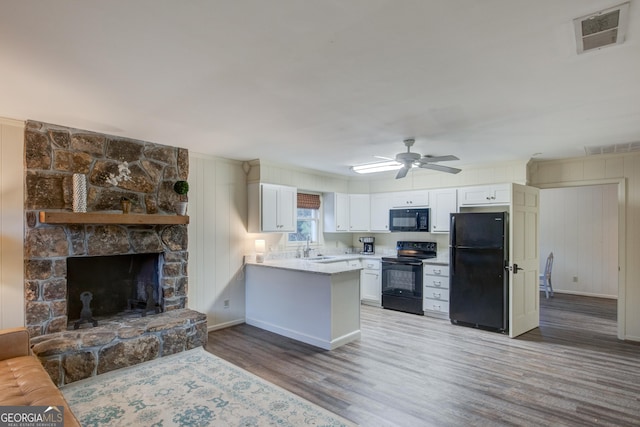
(307, 249)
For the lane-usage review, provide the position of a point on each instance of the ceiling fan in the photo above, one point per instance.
(409, 159)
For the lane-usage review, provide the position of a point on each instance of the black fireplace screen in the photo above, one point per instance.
(113, 285)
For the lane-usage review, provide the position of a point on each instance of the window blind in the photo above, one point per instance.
(308, 201)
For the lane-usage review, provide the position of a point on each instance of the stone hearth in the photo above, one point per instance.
(74, 355)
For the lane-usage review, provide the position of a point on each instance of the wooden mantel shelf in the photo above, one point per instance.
(109, 218)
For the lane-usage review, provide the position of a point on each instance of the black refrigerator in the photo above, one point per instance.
(479, 283)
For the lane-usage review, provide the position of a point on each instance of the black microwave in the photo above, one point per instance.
(409, 219)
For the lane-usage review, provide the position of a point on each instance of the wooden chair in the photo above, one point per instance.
(545, 278)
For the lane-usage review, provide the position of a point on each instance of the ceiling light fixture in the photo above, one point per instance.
(390, 165)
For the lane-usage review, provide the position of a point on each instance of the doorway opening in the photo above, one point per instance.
(580, 225)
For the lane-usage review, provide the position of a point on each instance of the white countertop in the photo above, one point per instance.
(441, 259)
(330, 265)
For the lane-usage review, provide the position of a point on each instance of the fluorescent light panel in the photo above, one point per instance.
(391, 165)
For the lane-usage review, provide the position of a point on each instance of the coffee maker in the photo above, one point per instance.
(367, 245)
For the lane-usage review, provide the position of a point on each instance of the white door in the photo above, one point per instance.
(524, 295)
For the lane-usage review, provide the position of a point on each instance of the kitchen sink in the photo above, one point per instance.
(320, 258)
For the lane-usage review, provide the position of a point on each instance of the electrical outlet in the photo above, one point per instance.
(575, 279)
(226, 303)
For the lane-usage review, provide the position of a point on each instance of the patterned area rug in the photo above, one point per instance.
(193, 388)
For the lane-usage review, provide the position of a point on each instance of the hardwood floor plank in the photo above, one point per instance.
(409, 370)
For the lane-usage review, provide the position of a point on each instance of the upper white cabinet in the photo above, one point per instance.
(409, 199)
(380, 205)
(443, 203)
(336, 212)
(272, 208)
(359, 212)
(497, 194)
(346, 212)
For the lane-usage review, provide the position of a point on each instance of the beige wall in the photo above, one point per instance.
(624, 170)
(11, 223)
(217, 235)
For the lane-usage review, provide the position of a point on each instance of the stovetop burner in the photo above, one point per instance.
(413, 251)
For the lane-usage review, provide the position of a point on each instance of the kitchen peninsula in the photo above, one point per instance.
(314, 302)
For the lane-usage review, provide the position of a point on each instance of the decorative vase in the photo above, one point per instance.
(79, 203)
(181, 208)
(126, 206)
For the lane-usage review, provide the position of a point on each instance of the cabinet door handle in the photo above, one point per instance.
(437, 284)
(437, 295)
(437, 271)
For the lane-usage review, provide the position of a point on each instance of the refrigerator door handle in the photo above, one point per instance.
(513, 268)
(453, 230)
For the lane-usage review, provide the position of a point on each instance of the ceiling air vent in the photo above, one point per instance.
(628, 147)
(600, 29)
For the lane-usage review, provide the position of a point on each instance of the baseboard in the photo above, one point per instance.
(583, 294)
(225, 325)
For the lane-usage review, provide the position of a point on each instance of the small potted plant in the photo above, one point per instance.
(181, 188)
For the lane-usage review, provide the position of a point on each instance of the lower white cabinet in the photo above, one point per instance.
(371, 282)
(436, 289)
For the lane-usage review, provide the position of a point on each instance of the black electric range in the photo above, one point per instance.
(402, 276)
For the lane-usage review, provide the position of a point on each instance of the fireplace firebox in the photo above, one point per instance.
(102, 287)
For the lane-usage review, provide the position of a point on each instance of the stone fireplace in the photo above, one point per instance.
(52, 155)
(113, 286)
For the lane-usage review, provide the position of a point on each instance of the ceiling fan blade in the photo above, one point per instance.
(440, 168)
(433, 159)
(402, 172)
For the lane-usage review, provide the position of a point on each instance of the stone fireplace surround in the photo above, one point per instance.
(52, 155)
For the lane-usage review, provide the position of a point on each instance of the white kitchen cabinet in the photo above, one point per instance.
(410, 199)
(371, 282)
(380, 205)
(346, 212)
(336, 212)
(436, 289)
(497, 194)
(443, 203)
(272, 208)
(359, 212)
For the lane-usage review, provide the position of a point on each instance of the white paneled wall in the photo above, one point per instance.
(217, 234)
(11, 223)
(580, 226)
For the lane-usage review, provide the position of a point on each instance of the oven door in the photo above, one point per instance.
(402, 279)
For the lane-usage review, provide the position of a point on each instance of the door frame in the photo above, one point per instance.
(622, 240)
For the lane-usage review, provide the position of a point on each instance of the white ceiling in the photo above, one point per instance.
(324, 84)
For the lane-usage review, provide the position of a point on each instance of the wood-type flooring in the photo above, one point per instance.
(409, 370)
